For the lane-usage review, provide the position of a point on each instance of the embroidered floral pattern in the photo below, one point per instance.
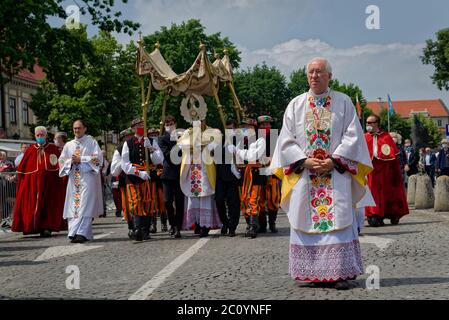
(351, 166)
(94, 160)
(195, 181)
(325, 263)
(77, 182)
(318, 131)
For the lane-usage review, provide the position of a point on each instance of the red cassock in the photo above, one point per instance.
(385, 181)
(40, 192)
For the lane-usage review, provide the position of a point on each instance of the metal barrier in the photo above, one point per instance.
(7, 196)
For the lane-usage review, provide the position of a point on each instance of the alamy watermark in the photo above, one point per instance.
(372, 22)
(73, 280)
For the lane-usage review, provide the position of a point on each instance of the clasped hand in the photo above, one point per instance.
(318, 165)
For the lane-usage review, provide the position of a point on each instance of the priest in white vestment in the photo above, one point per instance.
(80, 160)
(322, 158)
(198, 177)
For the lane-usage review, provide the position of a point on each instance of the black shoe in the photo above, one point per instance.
(197, 229)
(373, 221)
(232, 233)
(172, 231)
(153, 228)
(177, 234)
(138, 235)
(79, 239)
(131, 234)
(273, 228)
(204, 232)
(146, 236)
(342, 285)
(118, 214)
(262, 230)
(252, 233)
(224, 229)
(164, 227)
(394, 221)
(45, 234)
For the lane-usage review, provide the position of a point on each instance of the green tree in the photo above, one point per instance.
(424, 132)
(397, 124)
(437, 54)
(263, 91)
(104, 92)
(179, 45)
(298, 82)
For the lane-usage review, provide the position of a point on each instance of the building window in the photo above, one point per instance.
(12, 110)
(440, 123)
(25, 115)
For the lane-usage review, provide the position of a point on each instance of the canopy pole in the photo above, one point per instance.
(214, 90)
(145, 103)
(164, 108)
(237, 106)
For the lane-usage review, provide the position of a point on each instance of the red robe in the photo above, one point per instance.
(40, 192)
(385, 181)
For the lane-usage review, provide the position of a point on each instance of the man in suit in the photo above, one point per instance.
(412, 156)
(228, 178)
(171, 176)
(430, 161)
(443, 159)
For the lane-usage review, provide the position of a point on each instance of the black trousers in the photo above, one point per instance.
(430, 170)
(173, 193)
(227, 192)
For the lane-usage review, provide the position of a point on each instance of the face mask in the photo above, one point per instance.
(140, 131)
(170, 129)
(40, 140)
(369, 128)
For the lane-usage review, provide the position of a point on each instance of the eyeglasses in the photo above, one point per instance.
(317, 72)
(371, 122)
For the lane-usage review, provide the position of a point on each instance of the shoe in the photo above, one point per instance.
(138, 235)
(272, 215)
(45, 234)
(79, 239)
(394, 221)
(146, 236)
(131, 234)
(342, 285)
(177, 234)
(204, 232)
(118, 214)
(224, 229)
(197, 229)
(164, 227)
(232, 233)
(153, 228)
(262, 229)
(172, 231)
(273, 228)
(252, 233)
(262, 218)
(373, 221)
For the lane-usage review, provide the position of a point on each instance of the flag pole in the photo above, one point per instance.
(388, 113)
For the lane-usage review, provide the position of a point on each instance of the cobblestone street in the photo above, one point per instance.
(412, 258)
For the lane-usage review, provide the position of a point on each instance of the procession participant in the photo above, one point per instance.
(228, 180)
(119, 182)
(23, 149)
(170, 177)
(321, 146)
(248, 152)
(442, 164)
(40, 191)
(156, 189)
(60, 140)
(198, 177)
(270, 193)
(137, 178)
(80, 161)
(385, 181)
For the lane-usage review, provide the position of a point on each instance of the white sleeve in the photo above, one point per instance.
(127, 166)
(255, 151)
(65, 162)
(116, 165)
(157, 157)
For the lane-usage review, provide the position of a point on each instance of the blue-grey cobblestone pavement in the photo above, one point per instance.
(412, 260)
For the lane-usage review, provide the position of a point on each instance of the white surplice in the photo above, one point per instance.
(84, 190)
(324, 242)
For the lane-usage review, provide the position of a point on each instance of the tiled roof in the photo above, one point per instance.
(435, 108)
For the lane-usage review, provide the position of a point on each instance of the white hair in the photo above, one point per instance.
(326, 63)
(40, 128)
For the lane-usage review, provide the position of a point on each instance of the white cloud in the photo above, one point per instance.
(378, 69)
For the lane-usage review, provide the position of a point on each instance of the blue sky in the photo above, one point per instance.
(288, 33)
